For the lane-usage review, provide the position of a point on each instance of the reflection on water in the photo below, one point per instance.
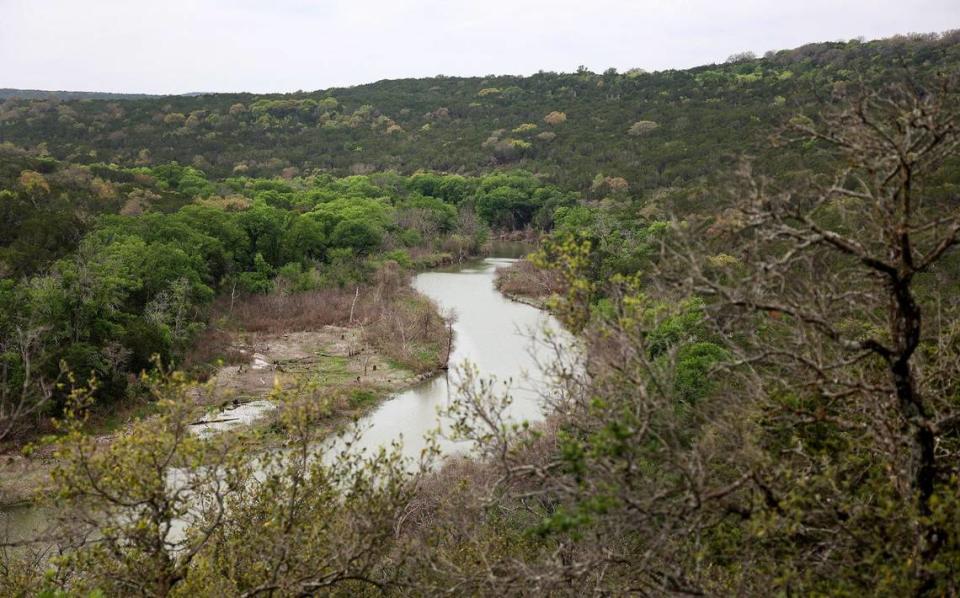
(509, 249)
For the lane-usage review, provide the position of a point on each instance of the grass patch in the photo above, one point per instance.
(361, 397)
(332, 369)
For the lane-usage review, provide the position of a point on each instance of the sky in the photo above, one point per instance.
(183, 46)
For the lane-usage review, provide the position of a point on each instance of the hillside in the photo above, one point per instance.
(656, 130)
(42, 94)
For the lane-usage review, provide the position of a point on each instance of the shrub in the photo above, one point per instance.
(555, 118)
(642, 127)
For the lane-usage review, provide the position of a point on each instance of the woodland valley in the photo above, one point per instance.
(270, 345)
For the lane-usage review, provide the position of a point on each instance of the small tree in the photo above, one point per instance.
(741, 57)
(555, 118)
(642, 127)
(137, 512)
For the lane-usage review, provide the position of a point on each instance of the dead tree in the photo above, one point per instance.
(24, 392)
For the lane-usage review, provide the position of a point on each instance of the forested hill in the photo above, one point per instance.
(656, 130)
(42, 94)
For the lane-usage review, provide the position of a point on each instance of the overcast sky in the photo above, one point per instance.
(178, 46)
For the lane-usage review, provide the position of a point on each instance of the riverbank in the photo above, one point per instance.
(389, 400)
(523, 282)
(355, 347)
(498, 337)
(537, 303)
(502, 340)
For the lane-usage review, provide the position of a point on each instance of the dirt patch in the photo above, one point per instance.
(333, 355)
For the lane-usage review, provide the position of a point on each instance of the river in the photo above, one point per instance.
(494, 334)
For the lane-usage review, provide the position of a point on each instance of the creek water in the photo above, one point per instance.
(496, 336)
(500, 338)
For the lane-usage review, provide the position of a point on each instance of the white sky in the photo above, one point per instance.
(179, 46)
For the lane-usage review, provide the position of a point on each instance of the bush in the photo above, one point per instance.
(399, 256)
(524, 279)
(144, 340)
(294, 278)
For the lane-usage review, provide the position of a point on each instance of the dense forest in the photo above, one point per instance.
(657, 130)
(758, 260)
(41, 94)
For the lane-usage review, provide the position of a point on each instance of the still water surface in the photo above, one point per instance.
(497, 336)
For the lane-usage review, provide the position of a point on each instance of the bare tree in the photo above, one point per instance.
(24, 392)
(824, 296)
